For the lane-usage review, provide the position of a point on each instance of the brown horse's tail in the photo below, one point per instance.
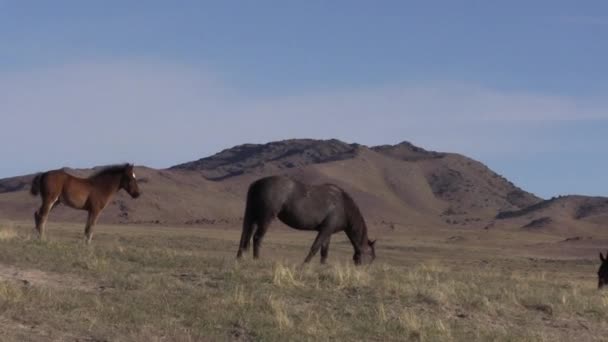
(36, 184)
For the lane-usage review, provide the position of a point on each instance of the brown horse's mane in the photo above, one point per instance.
(110, 170)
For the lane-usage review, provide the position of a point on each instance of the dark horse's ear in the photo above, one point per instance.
(602, 257)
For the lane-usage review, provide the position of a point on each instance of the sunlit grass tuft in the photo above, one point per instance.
(280, 312)
(7, 232)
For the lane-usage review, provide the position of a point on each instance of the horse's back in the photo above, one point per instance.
(297, 204)
(283, 189)
(54, 179)
(58, 181)
(272, 181)
(270, 192)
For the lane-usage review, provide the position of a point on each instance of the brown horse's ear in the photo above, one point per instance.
(602, 257)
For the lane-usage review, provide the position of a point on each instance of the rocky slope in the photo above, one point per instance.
(397, 186)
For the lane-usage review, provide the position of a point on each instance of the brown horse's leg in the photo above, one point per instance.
(88, 230)
(37, 221)
(325, 250)
(259, 236)
(41, 215)
(321, 239)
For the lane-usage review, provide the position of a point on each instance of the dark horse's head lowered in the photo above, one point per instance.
(366, 255)
(602, 273)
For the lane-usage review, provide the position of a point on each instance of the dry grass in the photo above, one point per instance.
(7, 232)
(184, 285)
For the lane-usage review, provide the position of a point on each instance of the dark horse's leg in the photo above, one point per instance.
(325, 249)
(88, 230)
(325, 231)
(259, 236)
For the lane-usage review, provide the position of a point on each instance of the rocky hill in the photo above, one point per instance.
(397, 186)
(270, 157)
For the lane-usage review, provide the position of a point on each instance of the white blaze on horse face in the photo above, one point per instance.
(134, 175)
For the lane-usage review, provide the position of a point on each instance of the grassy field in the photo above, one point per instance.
(183, 284)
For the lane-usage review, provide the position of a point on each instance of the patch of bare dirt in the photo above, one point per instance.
(15, 330)
(34, 277)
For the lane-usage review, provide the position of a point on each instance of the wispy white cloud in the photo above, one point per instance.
(444, 101)
(160, 114)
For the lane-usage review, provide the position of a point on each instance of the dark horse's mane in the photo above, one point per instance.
(110, 170)
(355, 217)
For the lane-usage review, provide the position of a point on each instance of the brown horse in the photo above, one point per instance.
(325, 208)
(91, 194)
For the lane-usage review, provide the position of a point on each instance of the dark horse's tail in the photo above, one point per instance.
(248, 222)
(36, 184)
(248, 218)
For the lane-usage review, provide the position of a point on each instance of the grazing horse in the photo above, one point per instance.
(325, 208)
(91, 194)
(602, 273)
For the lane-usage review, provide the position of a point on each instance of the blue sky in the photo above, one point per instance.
(519, 85)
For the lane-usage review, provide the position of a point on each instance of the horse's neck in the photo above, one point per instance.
(358, 235)
(109, 184)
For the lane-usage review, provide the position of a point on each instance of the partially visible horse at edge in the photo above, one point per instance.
(326, 208)
(602, 272)
(91, 194)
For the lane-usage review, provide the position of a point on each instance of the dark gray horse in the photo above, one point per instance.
(325, 208)
(602, 273)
